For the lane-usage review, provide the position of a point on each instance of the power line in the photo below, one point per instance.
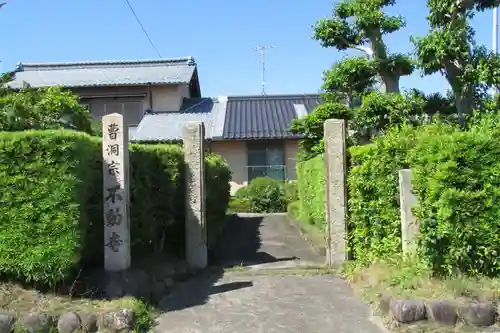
(142, 27)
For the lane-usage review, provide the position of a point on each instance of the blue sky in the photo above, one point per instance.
(219, 34)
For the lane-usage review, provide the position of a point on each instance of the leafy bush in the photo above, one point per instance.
(96, 128)
(218, 194)
(311, 126)
(44, 108)
(241, 192)
(155, 178)
(293, 209)
(311, 191)
(48, 181)
(265, 195)
(458, 188)
(240, 205)
(373, 184)
(291, 191)
(217, 187)
(51, 212)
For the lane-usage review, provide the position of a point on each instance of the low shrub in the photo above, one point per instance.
(240, 205)
(311, 191)
(241, 192)
(49, 182)
(265, 195)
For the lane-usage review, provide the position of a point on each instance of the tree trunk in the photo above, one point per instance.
(389, 84)
(464, 101)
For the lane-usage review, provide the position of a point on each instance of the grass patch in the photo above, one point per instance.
(410, 280)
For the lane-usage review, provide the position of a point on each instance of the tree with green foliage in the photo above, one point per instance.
(450, 49)
(359, 25)
(43, 108)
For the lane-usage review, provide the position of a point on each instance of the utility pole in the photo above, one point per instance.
(261, 49)
(495, 40)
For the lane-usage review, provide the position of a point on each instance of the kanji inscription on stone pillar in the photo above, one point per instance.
(116, 197)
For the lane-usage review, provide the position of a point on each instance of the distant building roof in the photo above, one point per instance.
(167, 126)
(105, 73)
(264, 117)
(230, 118)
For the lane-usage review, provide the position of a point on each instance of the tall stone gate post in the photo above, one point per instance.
(116, 196)
(196, 231)
(335, 191)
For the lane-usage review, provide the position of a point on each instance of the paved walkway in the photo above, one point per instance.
(256, 300)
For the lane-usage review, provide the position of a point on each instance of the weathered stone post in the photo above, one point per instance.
(116, 197)
(335, 191)
(409, 224)
(196, 232)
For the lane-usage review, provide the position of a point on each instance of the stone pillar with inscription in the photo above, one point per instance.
(335, 191)
(116, 197)
(196, 233)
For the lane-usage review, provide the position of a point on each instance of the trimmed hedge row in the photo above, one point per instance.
(311, 191)
(51, 201)
(457, 181)
(457, 184)
(156, 185)
(373, 185)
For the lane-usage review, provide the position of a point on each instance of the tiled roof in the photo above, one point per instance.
(168, 126)
(105, 73)
(264, 117)
(230, 118)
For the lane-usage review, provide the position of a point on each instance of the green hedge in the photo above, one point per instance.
(311, 191)
(218, 194)
(457, 181)
(155, 181)
(52, 190)
(457, 185)
(373, 184)
(48, 179)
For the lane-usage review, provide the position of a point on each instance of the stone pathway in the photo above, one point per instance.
(257, 299)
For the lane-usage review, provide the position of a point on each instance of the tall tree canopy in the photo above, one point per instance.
(361, 25)
(450, 49)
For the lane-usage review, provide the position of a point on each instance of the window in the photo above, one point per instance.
(266, 159)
